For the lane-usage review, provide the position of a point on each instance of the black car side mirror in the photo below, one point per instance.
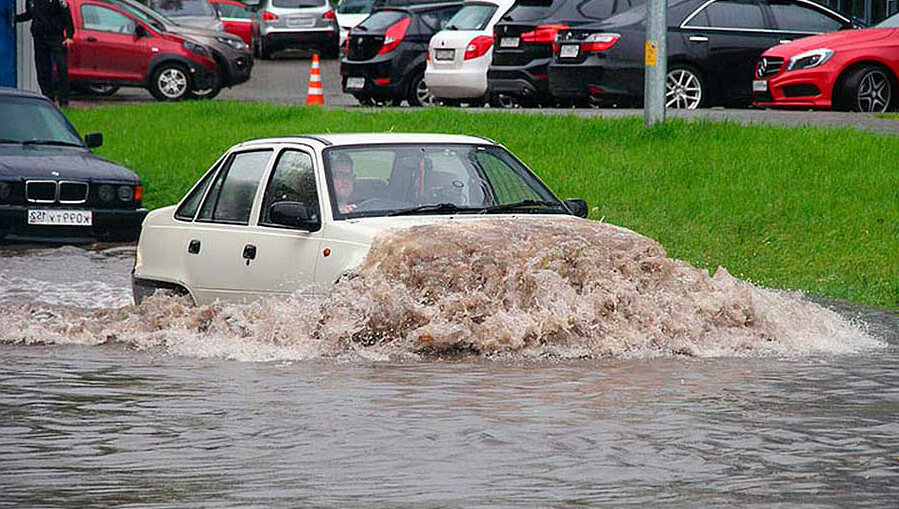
(294, 213)
(93, 140)
(577, 207)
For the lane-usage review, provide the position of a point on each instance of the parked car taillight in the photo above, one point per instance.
(269, 16)
(330, 14)
(478, 46)
(543, 33)
(599, 42)
(395, 34)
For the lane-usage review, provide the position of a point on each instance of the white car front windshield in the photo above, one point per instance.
(383, 180)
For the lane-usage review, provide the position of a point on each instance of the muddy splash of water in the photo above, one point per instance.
(562, 289)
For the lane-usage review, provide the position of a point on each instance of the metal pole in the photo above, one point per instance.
(656, 62)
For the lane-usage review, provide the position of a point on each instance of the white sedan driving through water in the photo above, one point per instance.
(276, 216)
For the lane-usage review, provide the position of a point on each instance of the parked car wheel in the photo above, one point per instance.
(101, 89)
(170, 82)
(262, 50)
(684, 88)
(418, 94)
(208, 93)
(868, 88)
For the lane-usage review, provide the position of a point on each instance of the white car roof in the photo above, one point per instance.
(332, 139)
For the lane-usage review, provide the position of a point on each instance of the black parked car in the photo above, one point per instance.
(523, 49)
(387, 53)
(713, 46)
(51, 186)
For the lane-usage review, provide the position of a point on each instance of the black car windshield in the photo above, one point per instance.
(891, 22)
(472, 17)
(382, 180)
(145, 14)
(355, 6)
(295, 4)
(177, 8)
(28, 120)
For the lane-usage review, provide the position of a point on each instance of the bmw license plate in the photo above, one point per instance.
(759, 86)
(355, 83)
(569, 50)
(509, 42)
(60, 217)
(444, 54)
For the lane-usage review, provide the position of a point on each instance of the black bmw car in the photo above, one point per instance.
(52, 187)
(713, 46)
(523, 49)
(387, 53)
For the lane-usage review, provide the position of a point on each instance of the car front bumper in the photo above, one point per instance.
(805, 88)
(107, 224)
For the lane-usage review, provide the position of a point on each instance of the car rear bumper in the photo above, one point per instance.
(809, 88)
(107, 224)
(381, 79)
(594, 79)
(301, 38)
(457, 83)
(525, 82)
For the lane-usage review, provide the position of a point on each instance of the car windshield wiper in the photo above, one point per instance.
(523, 204)
(431, 209)
(51, 142)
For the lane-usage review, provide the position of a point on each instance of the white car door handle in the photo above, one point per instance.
(699, 38)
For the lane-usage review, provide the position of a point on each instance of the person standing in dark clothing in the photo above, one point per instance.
(52, 30)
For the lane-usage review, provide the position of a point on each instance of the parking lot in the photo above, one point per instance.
(285, 80)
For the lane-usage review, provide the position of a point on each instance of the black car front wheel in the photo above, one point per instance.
(170, 82)
(684, 88)
(868, 88)
(207, 93)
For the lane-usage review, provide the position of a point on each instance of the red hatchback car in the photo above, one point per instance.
(848, 70)
(112, 46)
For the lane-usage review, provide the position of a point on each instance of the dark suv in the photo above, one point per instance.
(386, 54)
(524, 38)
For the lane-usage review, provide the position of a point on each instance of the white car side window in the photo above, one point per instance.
(231, 197)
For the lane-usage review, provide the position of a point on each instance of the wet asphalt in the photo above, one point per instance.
(285, 80)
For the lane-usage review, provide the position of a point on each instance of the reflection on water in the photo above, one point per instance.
(136, 407)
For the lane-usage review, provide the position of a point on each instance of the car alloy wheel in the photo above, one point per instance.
(172, 83)
(874, 92)
(683, 89)
(423, 94)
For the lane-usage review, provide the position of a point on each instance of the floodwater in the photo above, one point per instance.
(388, 395)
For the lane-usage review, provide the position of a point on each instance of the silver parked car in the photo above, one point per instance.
(302, 24)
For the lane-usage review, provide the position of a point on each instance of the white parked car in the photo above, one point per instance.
(279, 215)
(459, 55)
(350, 13)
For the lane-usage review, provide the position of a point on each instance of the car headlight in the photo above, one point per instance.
(199, 49)
(125, 193)
(234, 43)
(105, 192)
(809, 59)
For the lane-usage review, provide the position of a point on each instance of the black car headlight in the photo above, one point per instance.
(106, 192)
(199, 49)
(5, 191)
(125, 193)
(809, 59)
(237, 44)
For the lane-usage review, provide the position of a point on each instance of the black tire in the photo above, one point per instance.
(869, 88)
(209, 93)
(418, 94)
(685, 88)
(170, 82)
(101, 89)
(263, 51)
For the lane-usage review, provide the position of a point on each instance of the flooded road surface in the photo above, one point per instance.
(106, 409)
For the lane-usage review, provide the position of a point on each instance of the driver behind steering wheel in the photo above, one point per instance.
(344, 178)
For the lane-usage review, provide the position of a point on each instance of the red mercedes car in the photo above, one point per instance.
(848, 70)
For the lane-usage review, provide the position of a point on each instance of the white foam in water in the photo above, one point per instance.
(493, 288)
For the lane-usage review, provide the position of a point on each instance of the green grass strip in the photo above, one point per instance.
(807, 208)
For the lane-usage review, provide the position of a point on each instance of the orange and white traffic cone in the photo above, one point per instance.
(315, 83)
